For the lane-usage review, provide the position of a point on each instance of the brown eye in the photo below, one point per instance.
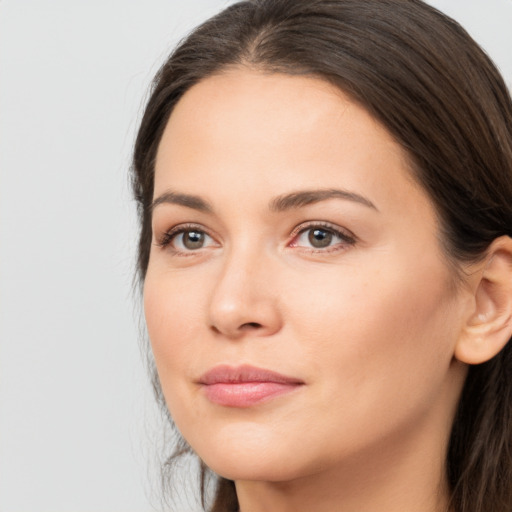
(320, 238)
(192, 239)
(186, 240)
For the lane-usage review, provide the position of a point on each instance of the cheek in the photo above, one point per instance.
(378, 351)
(171, 309)
(374, 329)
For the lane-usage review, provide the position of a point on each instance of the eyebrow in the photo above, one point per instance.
(190, 201)
(281, 203)
(307, 197)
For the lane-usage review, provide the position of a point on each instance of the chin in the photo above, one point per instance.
(249, 468)
(253, 457)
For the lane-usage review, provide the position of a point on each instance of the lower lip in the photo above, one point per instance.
(246, 394)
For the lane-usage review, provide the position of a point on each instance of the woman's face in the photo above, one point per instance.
(299, 306)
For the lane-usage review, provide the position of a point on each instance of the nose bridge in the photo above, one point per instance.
(244, 297)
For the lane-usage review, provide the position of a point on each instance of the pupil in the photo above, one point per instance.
(193, 240)
(320, 238)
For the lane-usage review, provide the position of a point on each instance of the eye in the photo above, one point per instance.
(320, 237)
(186, 239)
(190, 240)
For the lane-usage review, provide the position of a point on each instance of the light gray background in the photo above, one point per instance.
(76, 420)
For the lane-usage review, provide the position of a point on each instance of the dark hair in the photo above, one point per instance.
(423, 77)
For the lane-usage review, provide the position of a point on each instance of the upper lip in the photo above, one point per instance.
(238, 374)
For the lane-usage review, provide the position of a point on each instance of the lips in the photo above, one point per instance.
(245, 386)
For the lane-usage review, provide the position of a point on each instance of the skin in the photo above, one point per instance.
(368, 323)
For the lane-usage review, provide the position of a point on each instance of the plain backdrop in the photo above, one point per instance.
(77, 425)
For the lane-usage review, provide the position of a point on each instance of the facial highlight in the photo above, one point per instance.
(299, 304)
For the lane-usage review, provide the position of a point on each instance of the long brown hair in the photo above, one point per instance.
(423, 77)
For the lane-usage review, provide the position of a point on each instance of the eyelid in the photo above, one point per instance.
(322, 224)
(165, 239)
(344, 234)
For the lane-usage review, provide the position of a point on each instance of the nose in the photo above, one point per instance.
(244, 301)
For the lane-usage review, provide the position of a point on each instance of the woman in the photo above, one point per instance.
(325, 193)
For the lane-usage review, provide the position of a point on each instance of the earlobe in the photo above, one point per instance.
(489, 326)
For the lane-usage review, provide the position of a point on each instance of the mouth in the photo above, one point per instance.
(245, 386)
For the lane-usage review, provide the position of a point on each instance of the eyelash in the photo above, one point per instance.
(347, 238)
(167, 238)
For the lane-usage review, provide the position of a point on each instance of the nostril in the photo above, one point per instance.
(250, 325)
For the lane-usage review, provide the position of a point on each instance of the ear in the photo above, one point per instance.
(489, 324)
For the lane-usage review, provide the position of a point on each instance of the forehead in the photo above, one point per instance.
(273, 132)
(274, 106)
